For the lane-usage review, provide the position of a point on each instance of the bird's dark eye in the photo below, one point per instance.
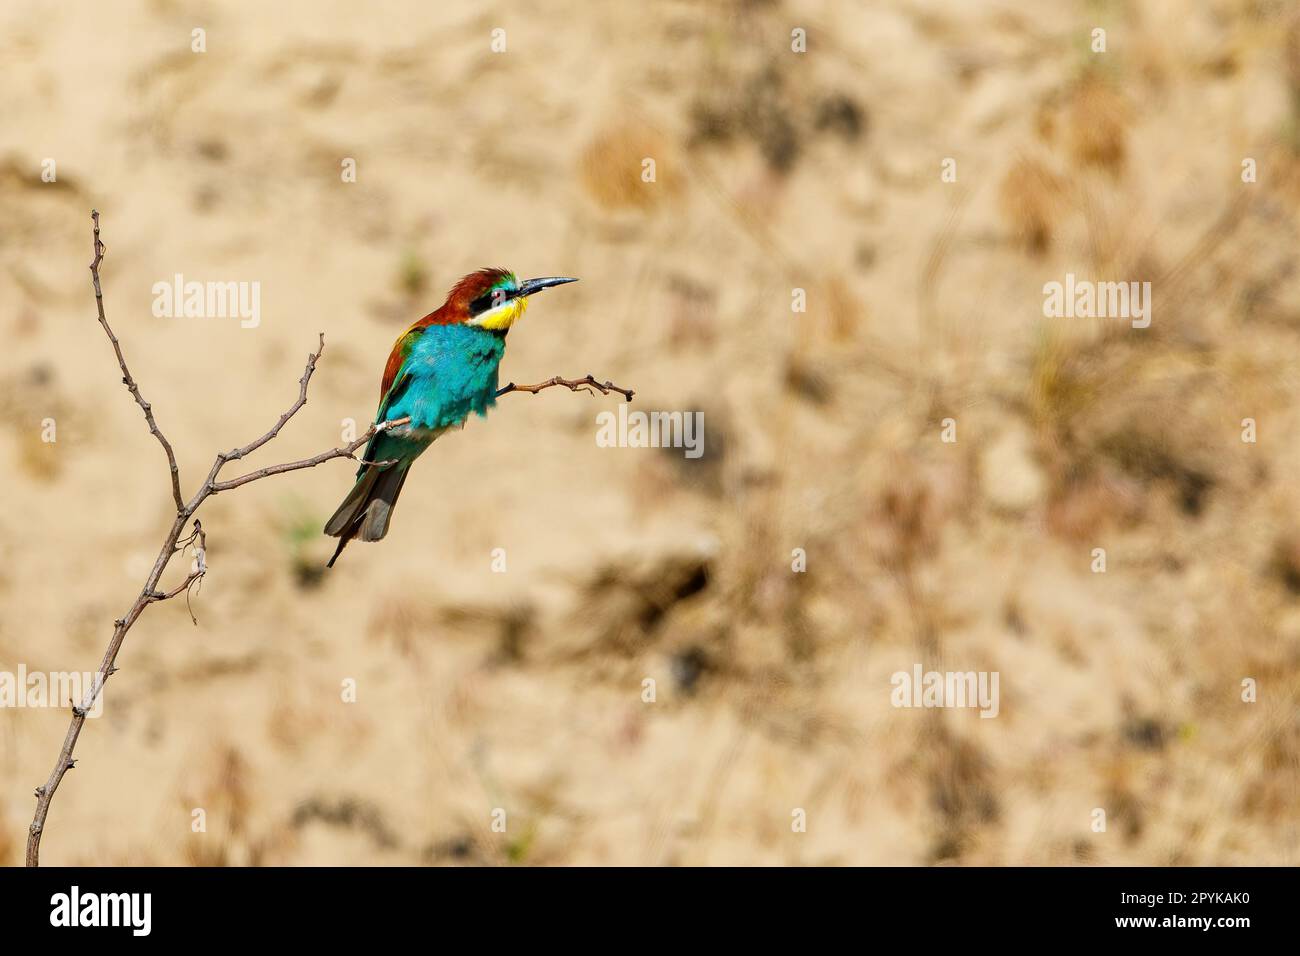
(489, 300)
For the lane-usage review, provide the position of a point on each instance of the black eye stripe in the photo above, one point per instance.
(487, 300)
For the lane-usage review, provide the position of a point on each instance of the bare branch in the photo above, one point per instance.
(585, 384)
(197, 535)
(199, 540)
(344, 451)
(183, 586)
(127, 380)
(107, 667)
(293, 409)
(177, 543)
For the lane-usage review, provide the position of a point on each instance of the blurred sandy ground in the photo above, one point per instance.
(523, 690)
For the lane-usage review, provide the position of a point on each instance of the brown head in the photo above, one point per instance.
(490, 299)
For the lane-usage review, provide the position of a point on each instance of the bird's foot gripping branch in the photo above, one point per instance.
(177, 541)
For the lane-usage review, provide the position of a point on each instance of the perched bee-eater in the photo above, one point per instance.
(443, 368)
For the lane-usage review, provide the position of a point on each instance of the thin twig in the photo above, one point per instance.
(344, 451)
(293, 409)
(199, 540)
(127, 380)
(585, 384)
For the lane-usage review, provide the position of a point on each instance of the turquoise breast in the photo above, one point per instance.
(451, 373)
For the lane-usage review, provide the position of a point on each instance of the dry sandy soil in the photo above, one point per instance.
(775, 170)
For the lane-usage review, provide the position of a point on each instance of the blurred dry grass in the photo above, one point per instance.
(523, 691)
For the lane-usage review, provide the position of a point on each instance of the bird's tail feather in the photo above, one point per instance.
(368, 508)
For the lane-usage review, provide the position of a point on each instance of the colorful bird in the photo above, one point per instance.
(441, 369)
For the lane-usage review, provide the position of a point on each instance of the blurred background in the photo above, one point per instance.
(775, 171)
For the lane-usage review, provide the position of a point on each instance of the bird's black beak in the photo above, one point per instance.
(529, 286)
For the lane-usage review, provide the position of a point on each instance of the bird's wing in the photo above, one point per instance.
(394, 392)
(401, 349)
(390, 396)
(396, 380)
